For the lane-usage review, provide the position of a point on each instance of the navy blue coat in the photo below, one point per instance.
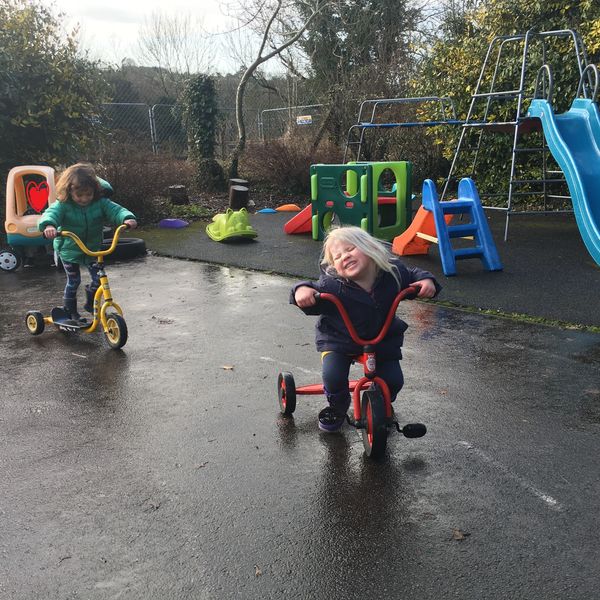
(367, 311)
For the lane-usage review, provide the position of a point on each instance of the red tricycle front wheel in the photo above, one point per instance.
(374, 433)
(286, 389)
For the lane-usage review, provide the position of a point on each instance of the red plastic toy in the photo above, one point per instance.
(373, 413)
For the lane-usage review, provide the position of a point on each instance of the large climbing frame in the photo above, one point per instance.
(482, 117)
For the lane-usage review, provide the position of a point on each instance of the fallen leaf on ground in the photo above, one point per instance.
(459, 535)
(162, 320)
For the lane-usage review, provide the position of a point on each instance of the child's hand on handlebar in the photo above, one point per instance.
(50, 232)
(426, 288)
(305, 296)
(131, 223)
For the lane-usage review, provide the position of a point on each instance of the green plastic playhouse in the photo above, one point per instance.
(356, 194)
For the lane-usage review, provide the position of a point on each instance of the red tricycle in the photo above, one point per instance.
(373, 414)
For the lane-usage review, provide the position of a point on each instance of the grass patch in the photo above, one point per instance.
(190, 211)
(521, 318)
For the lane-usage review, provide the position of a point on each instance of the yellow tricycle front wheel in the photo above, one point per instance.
(35, 322)
(116, 331)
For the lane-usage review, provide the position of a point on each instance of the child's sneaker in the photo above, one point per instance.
(329, 420)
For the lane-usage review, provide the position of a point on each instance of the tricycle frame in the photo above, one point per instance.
(367, 411)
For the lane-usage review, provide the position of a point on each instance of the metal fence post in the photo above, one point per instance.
(153, 137)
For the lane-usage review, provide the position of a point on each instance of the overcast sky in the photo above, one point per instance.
(110, 28)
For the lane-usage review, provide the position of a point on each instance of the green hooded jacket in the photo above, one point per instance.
(84, 221)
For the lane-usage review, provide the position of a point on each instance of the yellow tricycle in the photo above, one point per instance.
(112, 321)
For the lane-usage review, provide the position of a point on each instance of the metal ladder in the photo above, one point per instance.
(519, 125)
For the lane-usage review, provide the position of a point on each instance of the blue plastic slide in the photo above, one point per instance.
(574, 140)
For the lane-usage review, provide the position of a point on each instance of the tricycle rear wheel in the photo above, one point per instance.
(374, 433)
(286, 390)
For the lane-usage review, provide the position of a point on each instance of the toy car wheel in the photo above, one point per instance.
(9, 260)
(374, 434)
(35, 322)
(286, 389)
(116, 331)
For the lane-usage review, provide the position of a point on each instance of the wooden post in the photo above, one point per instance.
(238, 197)
(239, 182)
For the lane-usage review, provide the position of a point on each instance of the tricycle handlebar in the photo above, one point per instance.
(89, 252)
(408, 293)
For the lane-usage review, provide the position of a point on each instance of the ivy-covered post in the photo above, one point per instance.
(200, 117)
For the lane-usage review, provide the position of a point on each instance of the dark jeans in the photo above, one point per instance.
(336, 368)
(73, 272)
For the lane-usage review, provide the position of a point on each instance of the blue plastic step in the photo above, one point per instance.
(456, 207)
(462, 230)
(473, 252)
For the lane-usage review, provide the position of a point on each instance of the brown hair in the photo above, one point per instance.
(82, 176)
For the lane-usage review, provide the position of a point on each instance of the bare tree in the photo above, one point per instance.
(177, 45)
(279, 25)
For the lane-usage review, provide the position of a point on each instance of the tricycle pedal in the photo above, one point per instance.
(360, 424)
(413, 430)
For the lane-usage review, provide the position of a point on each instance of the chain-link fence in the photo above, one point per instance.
(278, 122)
(156, 129)
(160, 129)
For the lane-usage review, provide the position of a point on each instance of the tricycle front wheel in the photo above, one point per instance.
(286, 390)
(374, 433)
(116, 331)
(35, 322)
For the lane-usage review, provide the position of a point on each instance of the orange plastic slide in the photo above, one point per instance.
(300, 223)
(409, 242)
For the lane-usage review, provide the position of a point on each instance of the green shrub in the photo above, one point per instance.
(49, 93)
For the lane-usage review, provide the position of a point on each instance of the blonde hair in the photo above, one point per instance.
(78, 176)
(375, 249)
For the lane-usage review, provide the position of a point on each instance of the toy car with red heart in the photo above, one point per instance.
(28, 191)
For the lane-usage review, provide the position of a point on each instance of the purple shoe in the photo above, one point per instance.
(329, 420)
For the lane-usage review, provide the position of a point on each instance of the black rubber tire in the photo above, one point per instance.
(34, 320)
(116, 337)
(126, 248)
(9, 260)
(286, 390)
(374, 434)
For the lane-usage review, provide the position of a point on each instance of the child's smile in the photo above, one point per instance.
(349, 261)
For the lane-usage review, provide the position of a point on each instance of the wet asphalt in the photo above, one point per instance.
(166, 471)
(547, 272)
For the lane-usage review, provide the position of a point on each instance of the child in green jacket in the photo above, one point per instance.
(82, 209)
